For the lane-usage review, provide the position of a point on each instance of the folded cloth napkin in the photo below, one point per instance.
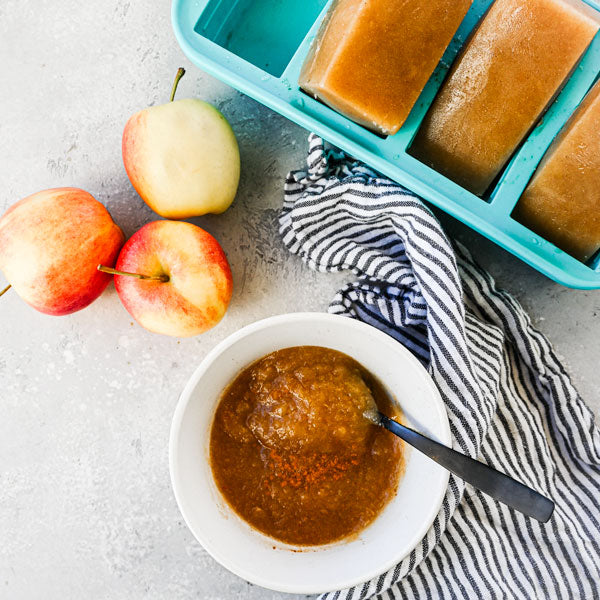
(509, 400)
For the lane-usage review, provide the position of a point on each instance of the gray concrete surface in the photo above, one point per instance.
(86, 509)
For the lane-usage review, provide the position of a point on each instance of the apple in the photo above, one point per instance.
(173, 278)
(182, 158)
(50, 245)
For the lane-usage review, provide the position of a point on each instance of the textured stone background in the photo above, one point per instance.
(86, 509)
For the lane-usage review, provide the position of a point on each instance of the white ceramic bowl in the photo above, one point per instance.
(267, 562)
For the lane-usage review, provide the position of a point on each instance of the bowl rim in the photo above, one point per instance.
(185, 397)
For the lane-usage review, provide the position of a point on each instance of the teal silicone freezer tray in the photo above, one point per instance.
(258, 47)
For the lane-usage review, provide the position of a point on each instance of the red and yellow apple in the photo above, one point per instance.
(182, 158)
(181, 284)
(50, 245)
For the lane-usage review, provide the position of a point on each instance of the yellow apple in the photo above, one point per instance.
(174, 278)
(182, 158)
(50, 245)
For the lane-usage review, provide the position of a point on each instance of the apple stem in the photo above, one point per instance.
(180, 74)
(110, 271)
(5, 290)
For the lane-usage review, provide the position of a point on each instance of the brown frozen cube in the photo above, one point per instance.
(372, 58)
(562, 201)
(509, 72)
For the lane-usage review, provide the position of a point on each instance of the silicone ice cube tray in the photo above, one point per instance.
(258, 47)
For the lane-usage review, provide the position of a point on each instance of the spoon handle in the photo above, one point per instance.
(488, 480)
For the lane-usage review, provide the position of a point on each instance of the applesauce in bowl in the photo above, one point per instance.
(292, 452)
(262, 558)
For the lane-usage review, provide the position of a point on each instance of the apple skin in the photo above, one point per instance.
(200, 284)
(50, 245)
(182, 158)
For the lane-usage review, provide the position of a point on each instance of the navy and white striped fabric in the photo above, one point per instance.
(509, 400)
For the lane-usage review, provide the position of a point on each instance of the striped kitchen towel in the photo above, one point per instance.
(509, 399)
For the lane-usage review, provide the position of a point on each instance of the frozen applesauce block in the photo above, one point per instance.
(509, 72)
(372, 58)
(562, 201)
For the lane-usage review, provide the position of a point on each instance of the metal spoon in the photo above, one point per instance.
(488, 480)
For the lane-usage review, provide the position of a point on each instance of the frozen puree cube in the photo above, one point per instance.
(510, 71)
(372, 58)
(562, 201)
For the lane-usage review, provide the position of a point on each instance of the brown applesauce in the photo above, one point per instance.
(292, 453)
